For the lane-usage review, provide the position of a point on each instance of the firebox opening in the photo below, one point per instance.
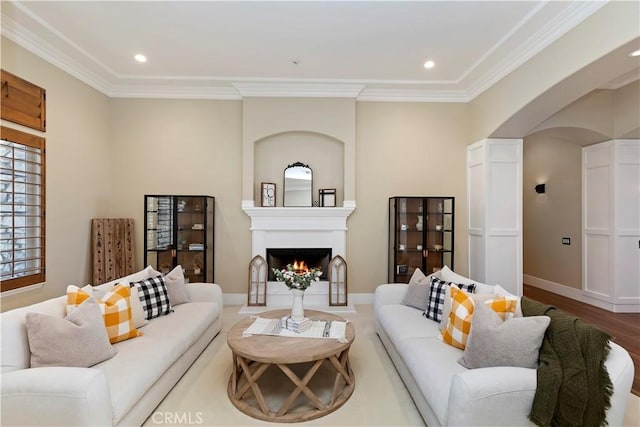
(313, 257)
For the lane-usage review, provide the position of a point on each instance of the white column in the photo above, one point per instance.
(494, 191)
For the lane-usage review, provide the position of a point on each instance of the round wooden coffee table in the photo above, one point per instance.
(320, 379)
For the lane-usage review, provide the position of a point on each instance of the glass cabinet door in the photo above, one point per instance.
(159, 232)
(420, 235)
(191, 236)
(180, 231)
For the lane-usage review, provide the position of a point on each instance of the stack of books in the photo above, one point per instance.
(196, 246)
(296, 326)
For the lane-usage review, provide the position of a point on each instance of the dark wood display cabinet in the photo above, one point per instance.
(179, 230)
(420, 235)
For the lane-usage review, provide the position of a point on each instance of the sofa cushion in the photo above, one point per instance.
(154, 296)
(176, 286)
(401, 322)
(15, 345)
(145, 273)
(437, 293)
(115, 306)
(78, 340)
(138, 315)
(462, 305)
(146, 358)
(496, 342)
(417, 295)
(432, 365)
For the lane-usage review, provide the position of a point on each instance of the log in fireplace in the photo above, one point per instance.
(278, 258)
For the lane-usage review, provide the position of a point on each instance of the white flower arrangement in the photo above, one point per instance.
(297, 279)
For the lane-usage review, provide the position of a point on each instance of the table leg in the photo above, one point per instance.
(343, 371)
(301, 386)
(252, 379)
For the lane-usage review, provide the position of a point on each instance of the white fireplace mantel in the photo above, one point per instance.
(307, 219)
(286, 227)
(291, 227)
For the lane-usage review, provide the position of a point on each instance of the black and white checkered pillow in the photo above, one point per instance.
(154, 297)
(436, 297)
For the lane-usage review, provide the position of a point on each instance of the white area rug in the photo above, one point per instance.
(379, 399)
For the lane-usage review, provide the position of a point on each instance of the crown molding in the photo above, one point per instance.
(174, 92)
(577, 12)
(39, 47)
(306, 90)
(413, 95)
(113, 85)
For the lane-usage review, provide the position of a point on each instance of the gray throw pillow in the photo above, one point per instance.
(176, 286)
(78, 340)
(417, 295)
(493, 342)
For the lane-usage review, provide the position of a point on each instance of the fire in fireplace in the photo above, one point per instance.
(312, 257)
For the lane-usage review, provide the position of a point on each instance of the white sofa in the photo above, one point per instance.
(123, 390)
(448, 394)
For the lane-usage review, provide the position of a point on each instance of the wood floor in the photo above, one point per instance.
(623, 327)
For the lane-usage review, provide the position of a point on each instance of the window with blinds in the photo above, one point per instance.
(22, 209)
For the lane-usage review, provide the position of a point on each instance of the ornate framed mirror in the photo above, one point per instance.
(298, 185)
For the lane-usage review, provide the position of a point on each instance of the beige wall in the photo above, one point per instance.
(626, 111)
(105, 154)
(540, 87)
(78, 176)
(183, 147)
(598, 116)
(404, 149)
(266, 117)
(324, 155)
(557, 213)
(592, 112)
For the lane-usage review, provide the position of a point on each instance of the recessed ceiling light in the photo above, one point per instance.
(635, 53)
(429, 64)
(140, 57)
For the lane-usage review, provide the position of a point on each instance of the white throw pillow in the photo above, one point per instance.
(137, 311)
(176, 286)
(449, 275)
(138, 276)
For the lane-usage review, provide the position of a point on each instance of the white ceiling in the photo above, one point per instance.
(225, 50)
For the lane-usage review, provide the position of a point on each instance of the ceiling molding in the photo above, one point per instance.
(98, 76)
(554, 29)
(413, 95)
(622, 81)
(174, 92)
(39, 47)
(304, 90)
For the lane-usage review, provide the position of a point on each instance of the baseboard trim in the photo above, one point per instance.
(241, 299)
(578, 295)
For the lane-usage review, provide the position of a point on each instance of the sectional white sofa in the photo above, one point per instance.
(448, 394)
(123, 390)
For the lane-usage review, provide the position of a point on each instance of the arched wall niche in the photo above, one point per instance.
(323, 153)
(316, 122)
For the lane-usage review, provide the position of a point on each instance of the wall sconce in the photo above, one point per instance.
(540, 188)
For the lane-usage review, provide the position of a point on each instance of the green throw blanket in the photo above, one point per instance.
(574, 388)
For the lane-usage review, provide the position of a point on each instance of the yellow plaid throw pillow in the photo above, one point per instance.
(116, 311)
(462, 304)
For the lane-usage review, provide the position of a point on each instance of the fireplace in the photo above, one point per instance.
(310, 228)
(278, 258)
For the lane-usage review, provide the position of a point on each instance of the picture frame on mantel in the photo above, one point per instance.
(327, 197)
(268, 194)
